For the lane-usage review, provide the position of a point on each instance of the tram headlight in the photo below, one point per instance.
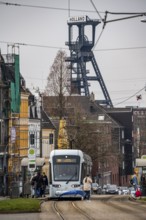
(75, 185)
(56, 185)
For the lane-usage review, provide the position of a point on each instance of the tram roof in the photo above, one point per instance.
(80, 153)
(67, 151)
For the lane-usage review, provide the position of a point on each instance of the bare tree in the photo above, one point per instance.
(99, 140)
(59, 77)
(58, 81)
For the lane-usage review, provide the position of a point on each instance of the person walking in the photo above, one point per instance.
(142, 180)
(45, 183)
(87, 181)
(33, 185)
(38, 183)
(135, 181)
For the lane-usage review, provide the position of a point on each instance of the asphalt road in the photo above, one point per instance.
(101, 207)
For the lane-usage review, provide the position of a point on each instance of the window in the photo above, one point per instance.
(1, 163)
(31, 139)
(101, 117)
(123, 165)
(123, 150)
(51, 138)
(123, 134)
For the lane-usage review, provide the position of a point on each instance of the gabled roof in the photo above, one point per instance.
(46, 122)
(89, 108)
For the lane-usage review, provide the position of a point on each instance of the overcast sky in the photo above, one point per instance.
(120, 52)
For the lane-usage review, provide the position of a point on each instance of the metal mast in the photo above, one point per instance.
(80, 54)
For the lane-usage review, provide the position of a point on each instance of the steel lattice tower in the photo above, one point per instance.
(81, 53)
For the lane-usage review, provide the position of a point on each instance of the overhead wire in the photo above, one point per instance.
(45, 7)
(125, 18)
(66, 9)
(101, 21)
(32, 45)
(113, 20)
(130, 97)
(96, 9)
(125, 13)
(124, 48)
(65, 48)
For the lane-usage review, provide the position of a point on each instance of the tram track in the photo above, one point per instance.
(82, 211)
(57, 211)
(105, 207)
(64, 209)
(126, 207)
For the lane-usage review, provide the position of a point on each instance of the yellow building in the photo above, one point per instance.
(62, 136)
(18, 132)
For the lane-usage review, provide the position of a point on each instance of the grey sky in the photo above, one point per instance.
(123, 70)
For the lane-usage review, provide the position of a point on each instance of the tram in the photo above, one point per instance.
(68, 167)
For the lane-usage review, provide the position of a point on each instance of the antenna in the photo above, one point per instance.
(68, 8)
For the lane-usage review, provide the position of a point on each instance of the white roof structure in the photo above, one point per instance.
(39, 161)
(141, 162)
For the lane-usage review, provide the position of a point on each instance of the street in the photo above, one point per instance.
(101, 207)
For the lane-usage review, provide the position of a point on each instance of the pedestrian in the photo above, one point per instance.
(138, 193)
(33, 185)
(135, 181)
(45, 183)
(142, 180)
(38, 183)
(27, 188)
(87, 181)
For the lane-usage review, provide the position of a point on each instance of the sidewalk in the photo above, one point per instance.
(4, 197)
(40, 198)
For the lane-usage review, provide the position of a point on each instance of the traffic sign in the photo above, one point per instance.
(31, 159)
(31, 165)
(31, 153)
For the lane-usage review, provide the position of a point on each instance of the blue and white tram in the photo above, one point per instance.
(68, 167)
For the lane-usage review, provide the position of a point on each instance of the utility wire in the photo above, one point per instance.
(124, 48)
(64, 48)
(126, 13)
(96, 9)
(66, 9)
(98, 39)
(130, 96)
(101, 20)
(32, 45)
(125, 18)
(44, 7)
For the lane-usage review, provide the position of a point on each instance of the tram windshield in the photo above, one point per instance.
(66, 168)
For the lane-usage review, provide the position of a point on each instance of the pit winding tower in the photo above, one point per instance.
(81, 53)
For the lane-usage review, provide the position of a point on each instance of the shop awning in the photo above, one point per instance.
(39, 162)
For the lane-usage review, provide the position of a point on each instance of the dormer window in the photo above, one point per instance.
(101, 117)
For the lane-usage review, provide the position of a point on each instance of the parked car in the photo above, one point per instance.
(111, 189)
(99, 191)
(95, 188)
(123, 190)
(104, 188)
